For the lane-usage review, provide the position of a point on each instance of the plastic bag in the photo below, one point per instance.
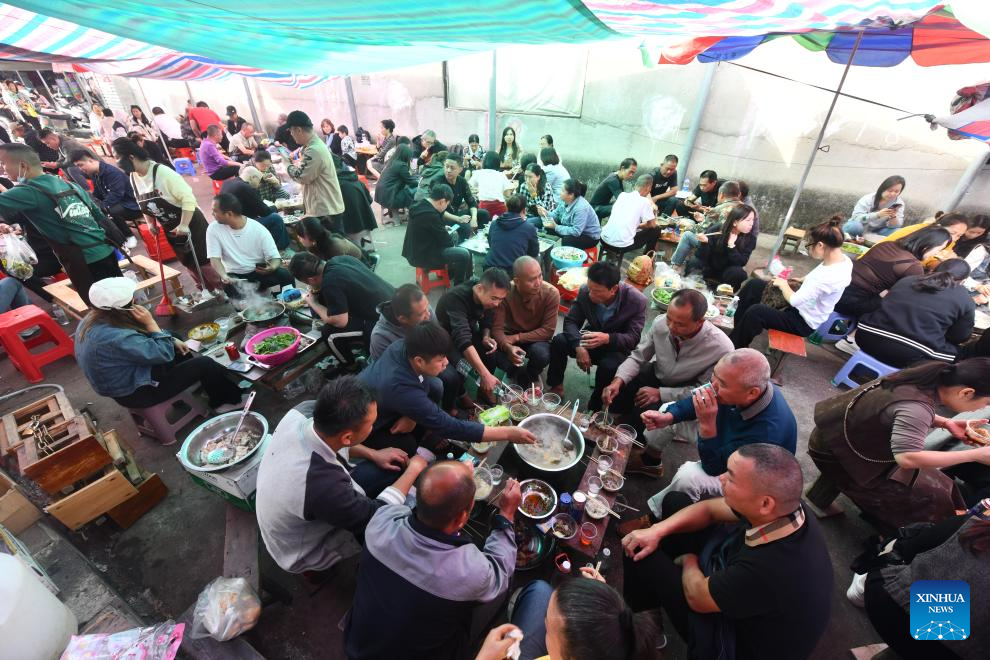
(226, 608)
(159, 642)
(17, 256)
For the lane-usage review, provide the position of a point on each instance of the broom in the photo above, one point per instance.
(165, 307)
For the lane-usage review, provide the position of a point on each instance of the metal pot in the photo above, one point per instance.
(265, 314)
(550, 428)
(214, 428)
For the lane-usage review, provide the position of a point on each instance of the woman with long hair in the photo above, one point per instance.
(126, 356)
(474, 154)
(329, 134)
(884, 264)
(138, 122)
(168, 203)
(924, 317)
(492, 185)
(556, 173)
(152, 147)
(977, 236)
(509, 151)
(317, 239)
(386, 142)
(811, 304)
(397, 186)
(724, 262)
(537, 192)
(569, 623)
(870, 442)
(113, 128)
(881, 212)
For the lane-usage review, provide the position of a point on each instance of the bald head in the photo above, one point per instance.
(523, 265)
(527, 276)
(445, 495)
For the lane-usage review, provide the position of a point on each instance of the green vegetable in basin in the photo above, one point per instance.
(274, 344)
(662, 296)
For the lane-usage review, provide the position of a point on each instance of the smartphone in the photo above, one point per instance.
(896, 206)
(469, 458)
(240, 366)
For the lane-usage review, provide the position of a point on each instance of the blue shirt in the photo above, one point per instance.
(117, 361)
(768, 419)
(576, 219)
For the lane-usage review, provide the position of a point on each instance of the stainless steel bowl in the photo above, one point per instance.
(214, 428)
(546, 494)
(551, 429)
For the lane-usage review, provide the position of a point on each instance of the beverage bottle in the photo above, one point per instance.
(730, 310)
(605, 557)
(465, 369)
(59, 315)
(686, 186)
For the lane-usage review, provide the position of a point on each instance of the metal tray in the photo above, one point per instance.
(215, 428)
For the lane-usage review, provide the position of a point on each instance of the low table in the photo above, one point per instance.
(68, 298)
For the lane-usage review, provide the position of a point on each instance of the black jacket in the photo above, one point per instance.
(509, 238)
(717, 259)
(623, 328)
(462, 316)
(426, 236)
(250, 199)
(358, 215)
(283, 135)
(396, 186)
(605, 194)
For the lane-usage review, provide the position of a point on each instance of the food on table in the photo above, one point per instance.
(228, 447)
(711, 312)
(22, 270)
(563, 526)
(569, 254)
(978, 433)
(528, 544)
(573, 279)
(482, 447)
(538, 499)
(663, 295)
(482, 489)
(607, 444)
(668, 280)
(612, 482)
(724, 290)
(494, 416)
(596, 507)
(204, 333)
(274, 343)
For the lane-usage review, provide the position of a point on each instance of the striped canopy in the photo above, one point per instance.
(307, 40)
(935, 39)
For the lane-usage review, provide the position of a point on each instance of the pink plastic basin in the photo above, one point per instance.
(284, 355)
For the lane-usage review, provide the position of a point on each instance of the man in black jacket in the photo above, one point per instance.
(428, 244)
(467, 312)
(462, 202)
(112, 189)
(606, 192)
(602, 327)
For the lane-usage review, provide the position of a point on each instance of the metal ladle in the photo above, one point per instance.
(566, 442)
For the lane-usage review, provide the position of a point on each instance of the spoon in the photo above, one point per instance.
(566, 443)
(247, 406)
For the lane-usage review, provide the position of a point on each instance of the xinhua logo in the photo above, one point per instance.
(940, 610)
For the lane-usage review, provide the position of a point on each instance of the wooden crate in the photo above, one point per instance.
(52, 409)
(93, 500)
(16, 511)
(77, 455)
(150, 492)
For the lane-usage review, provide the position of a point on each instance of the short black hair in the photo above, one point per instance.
(549, 156)
(260, 155)
(709, 174)
(80, 154)
(343, 129)
(439, 509)
(692, 298)
(298, 119)
(404, 298)
(202, 104)
(126, 147)
(305, 265)
(495, 277)
(604, 273)
(474, 138)
(627, 163)
(388, 124)
(157, 111)
(342, 405)
(671, 158)
(228, 203)
(427, 340)
(440, 191)
(45, 132)
(549, 139)
(515, 204)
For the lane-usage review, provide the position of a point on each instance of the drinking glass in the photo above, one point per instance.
(583, 422)
(626, 433)
(551, 401)
(604, 464)
(589, 532)
(497, 473)
(519, 412)
(512, 394)
(594, 486)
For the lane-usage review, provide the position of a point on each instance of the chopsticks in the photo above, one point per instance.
(616, 473)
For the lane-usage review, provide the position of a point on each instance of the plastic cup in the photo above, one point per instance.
(583, 422)
(594, 486)
(551, 401)
(589, 533)
(497, 473)
(604, 464)
(511, 395)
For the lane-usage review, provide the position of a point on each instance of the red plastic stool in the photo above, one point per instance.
(216, 186)
(153, 247)
(363, 179)
(442, 281)
(19, 350)
(185, 152)
(592, 255)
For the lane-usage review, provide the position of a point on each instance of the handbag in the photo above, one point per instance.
(773, 298)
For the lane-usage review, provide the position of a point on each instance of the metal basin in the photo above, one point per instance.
(217, 427)
(549, 430)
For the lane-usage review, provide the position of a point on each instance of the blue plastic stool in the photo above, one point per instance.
(861, 359)
(826, 331)
(184, 166)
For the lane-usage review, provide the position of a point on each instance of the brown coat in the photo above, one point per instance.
(533, 320)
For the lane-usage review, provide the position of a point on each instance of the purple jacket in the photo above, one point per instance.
(210, 157)
(625, 326)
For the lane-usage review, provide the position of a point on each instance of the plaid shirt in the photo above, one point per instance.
(469, 155)
(271, 191)
(547, 200)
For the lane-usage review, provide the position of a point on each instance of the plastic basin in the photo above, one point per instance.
(280, 357)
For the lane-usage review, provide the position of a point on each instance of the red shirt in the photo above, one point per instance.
(204, 117)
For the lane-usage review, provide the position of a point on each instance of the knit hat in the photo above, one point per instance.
(112, 293)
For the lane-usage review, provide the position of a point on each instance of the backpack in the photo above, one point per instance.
(71, 206)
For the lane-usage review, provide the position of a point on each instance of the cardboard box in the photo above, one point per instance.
(241, 480)
(16, 511)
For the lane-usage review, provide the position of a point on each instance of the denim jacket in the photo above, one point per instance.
(117, 361)
(576, 218)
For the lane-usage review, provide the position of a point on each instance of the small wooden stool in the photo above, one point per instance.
(785, 343)
(792, 235)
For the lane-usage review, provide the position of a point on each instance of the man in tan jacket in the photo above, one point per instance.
(526, 323)
(313, 169)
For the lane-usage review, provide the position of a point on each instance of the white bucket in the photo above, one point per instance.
(34, 624)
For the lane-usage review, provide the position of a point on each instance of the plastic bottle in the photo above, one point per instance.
(34, 624)
(465, 369)
(686, 186)
(605, 557)
(59, 315)
(565, 503)
(730, 310)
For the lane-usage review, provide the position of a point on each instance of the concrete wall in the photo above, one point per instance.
(754, 127)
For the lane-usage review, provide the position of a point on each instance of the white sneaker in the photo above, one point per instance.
(130, 243)
(857, 590)
(847, 346)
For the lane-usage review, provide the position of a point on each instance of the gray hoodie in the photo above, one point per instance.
(387, 330)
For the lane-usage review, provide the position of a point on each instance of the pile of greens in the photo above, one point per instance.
(274, 344)
(663, 296)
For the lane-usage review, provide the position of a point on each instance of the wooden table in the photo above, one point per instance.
(68, 298)
(666, 246)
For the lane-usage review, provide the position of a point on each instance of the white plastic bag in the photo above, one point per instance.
(18, 257)
(226, 608)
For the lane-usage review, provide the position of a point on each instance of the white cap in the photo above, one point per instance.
(112, 293)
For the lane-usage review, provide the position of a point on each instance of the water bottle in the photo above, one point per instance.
(686, 186)
(605, 557)
(59, 315)
(730, 310)
(565, 503)
(465, 369)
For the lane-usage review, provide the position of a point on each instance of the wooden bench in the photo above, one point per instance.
(68, 298)
(784, 344)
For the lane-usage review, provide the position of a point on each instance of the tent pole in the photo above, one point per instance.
(699, 110)
(161, 136)
(44, 82)
(250, 100)
(189, 92)
(351, 105)
(492, 91)
(814, 152)
(82, 83)
(967, 178)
